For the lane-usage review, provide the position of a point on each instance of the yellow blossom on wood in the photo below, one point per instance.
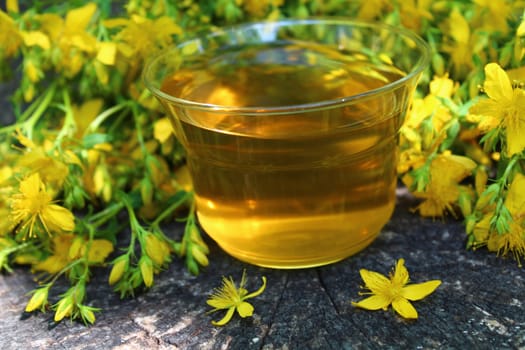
(229, 297)
(33, 204)
(394, 291)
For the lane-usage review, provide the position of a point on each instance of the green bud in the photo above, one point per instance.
(470, 223)
(465, 203)
(438, 64)
(505, 55)
(302, 12)
(87, 314)
(192, 266)
(146, 191)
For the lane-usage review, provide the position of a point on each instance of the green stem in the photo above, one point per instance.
(136, 229)
(69, 120)
(95, 124)
(108, 213)
(166, 212)
(32, 114)
(138, 128)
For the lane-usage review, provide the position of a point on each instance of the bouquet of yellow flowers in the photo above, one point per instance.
(90, 172)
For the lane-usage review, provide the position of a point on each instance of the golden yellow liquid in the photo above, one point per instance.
(289, 190)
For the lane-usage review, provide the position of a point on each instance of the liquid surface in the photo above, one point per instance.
(289, 190)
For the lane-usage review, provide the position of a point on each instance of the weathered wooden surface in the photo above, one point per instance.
(479, 305)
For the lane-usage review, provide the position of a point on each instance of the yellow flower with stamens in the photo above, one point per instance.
(505, 108)
(394, 291)
(33, 204)
(229, 297)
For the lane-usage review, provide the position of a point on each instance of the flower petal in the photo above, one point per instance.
(258, 291)
(225, 319)
(375, 302)
(497, 83)
(375, 281)
(58, 218)
(515, 126)
(245, 309)
(515, 200)
(404, 308)
(400, 277)
(420, 290)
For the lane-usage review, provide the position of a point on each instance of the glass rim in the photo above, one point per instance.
(418, 67)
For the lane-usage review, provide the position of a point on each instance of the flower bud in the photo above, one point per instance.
(38, 300)
(465, 203)
(199, 255)
(480, 180)
(146, 270)
(156, 249)
(146, 191)
(87, 315)
(75, 250)
(120, 266)
(64, 308)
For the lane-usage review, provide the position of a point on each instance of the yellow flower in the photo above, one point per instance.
(229, 297)
(33, 204)
(413, 12)
(98, 250)
(12, 6)
(372, 9)
(60, 257)
(394, 291)
(70, 35)
(259, 8)
(140, 37)
(462, 44)
(36, 158)
(68, 247)
(504, 107)
(443, 190)
(493, 15)
(85, 114)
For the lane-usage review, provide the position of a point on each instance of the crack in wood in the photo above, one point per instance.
(274, 312)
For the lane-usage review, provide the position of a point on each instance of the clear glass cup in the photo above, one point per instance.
(290, 129)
